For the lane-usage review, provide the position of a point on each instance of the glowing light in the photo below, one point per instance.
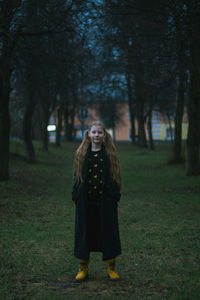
(51, 127)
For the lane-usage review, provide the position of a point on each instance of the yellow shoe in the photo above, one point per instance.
(112, 273)
(83, 271)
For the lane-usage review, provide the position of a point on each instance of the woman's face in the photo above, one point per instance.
(96, 134)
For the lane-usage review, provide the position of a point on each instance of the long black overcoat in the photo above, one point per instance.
(111, 246)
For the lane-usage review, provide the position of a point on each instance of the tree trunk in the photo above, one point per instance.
(140, 92)
(114, 135)
(170, 127)
(193, 139)
(4, 136)
(59, 126)
(27, 130)
(193, 145)
(6, 41)
(68, 130)
(69, 126)
(142, 141)
(131, 108)
(180, 44)
(44, 122)
(149, 125)
(45, 135)
(178, 120)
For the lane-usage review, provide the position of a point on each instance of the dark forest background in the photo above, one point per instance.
(61, 55)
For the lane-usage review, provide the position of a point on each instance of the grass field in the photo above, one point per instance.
(159, 216)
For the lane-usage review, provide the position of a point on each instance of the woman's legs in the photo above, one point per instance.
(94, 235)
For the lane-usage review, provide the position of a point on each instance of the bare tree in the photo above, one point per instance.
(10, 28)
(193, 140)
(21, 20)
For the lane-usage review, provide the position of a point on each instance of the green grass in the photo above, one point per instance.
(159, 228)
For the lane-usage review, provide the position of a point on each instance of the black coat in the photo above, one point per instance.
(108, 210)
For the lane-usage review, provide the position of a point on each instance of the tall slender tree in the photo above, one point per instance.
(10, 28)
(193, 140)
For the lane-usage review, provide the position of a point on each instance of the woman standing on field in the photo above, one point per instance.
(96, 192)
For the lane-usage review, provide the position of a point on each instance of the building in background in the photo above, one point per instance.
(162, 126)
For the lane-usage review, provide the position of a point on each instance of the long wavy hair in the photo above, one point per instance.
(110, 149)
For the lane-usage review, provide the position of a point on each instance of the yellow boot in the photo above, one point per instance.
(83, 271)
(112, 273)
